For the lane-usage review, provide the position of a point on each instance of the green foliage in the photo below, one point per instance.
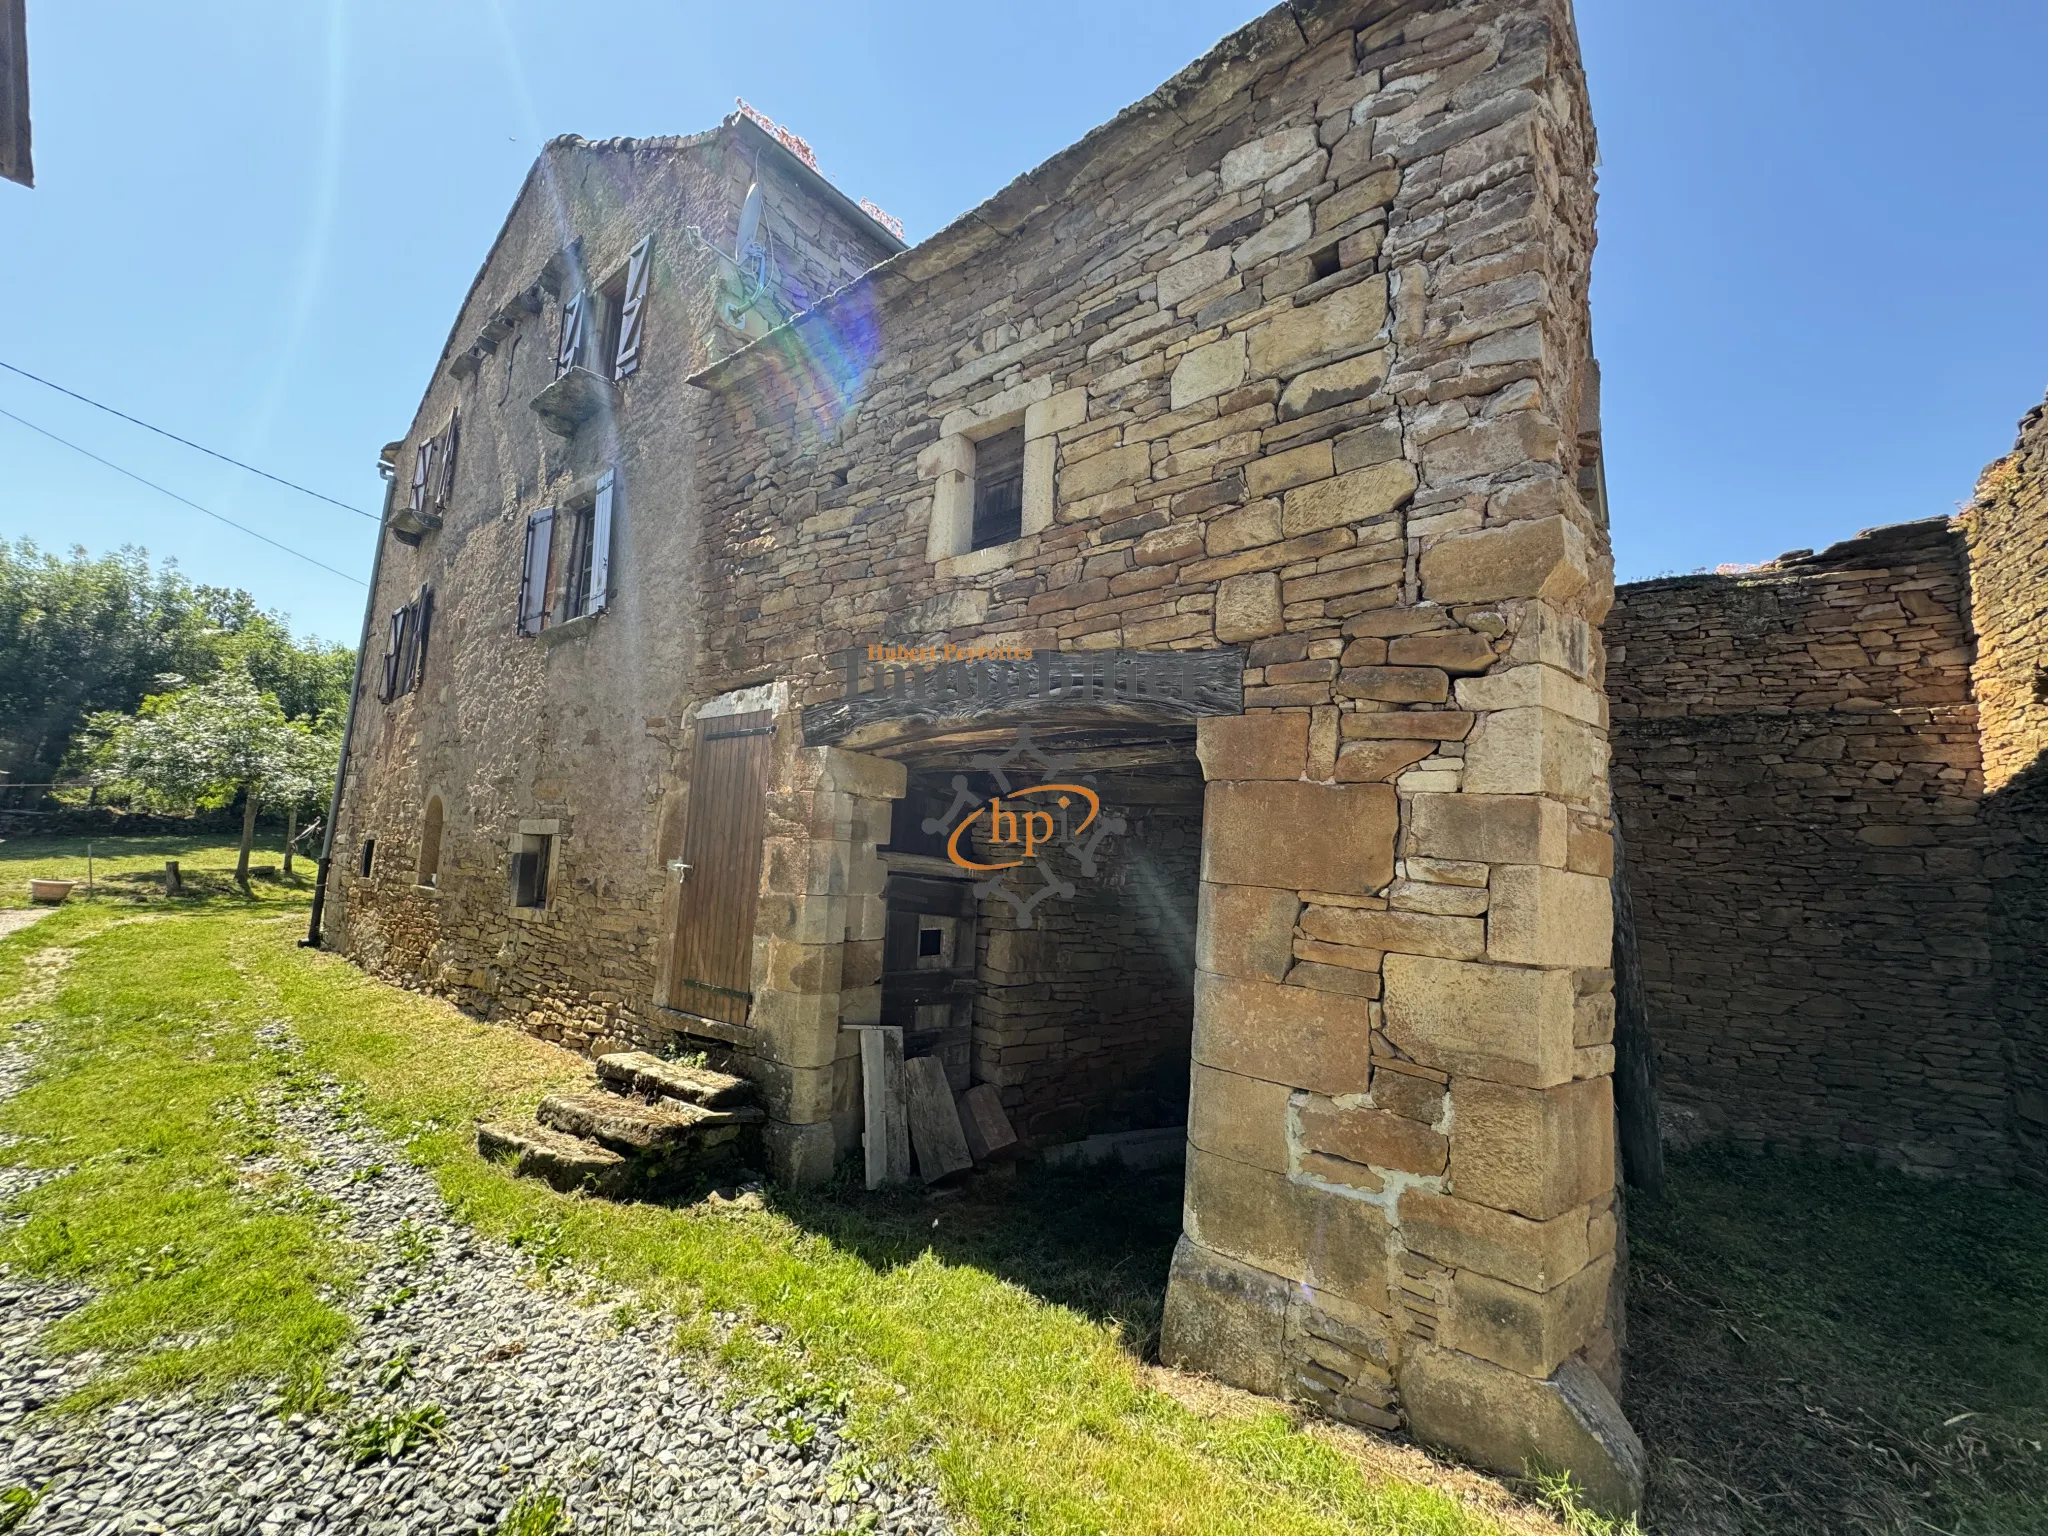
(537, 1513)
(85, 635)
(394, 1436)
(306, 1391)
(1565, 1499)
(15, 1504)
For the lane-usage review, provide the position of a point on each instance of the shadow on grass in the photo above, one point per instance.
(1099, 1240)
(1827, 1347)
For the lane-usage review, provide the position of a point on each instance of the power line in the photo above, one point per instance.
(239, 527)
(210, 453)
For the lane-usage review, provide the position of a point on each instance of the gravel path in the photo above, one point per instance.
(539, 1392)
(14, 919)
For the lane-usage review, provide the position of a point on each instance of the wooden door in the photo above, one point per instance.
(712, 965)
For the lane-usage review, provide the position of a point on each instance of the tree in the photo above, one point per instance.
(86, 635)
(206, 744)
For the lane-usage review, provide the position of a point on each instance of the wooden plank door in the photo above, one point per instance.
(712, 969)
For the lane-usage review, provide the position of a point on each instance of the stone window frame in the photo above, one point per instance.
(433, 834)
(551, 829)
(950, 464)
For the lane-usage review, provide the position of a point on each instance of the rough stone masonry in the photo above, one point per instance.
(1289, 356)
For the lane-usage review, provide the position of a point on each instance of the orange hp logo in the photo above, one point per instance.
(1036, 825)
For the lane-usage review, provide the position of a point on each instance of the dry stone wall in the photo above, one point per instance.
(2006, 525)
(1296, 346)
(1798, 771)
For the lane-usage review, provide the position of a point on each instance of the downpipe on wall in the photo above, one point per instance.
(388, 468)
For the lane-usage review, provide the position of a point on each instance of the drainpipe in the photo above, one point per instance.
(387, 466)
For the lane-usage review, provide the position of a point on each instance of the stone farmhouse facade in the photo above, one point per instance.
(1247, 451)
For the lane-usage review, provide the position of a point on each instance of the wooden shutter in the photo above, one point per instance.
(533, 576)
(574, 315)
(600, 545)
(711, 965)
(422, 622)
(444, 488)
(633, 314)
(15, 161)
(387, 688)
(422, 471)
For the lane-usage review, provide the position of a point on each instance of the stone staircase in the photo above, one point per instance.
(646, 1126)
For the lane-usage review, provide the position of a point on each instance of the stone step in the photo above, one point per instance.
(632, 1127)
(567, 1162)
(638, 1072)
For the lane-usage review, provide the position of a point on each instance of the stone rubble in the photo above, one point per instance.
(544, 1390)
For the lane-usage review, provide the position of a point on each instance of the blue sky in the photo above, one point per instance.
(1818, 296)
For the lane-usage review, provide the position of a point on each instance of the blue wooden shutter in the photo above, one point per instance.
(533, 576)
(574, 315)
(601, 545)
(633, 315)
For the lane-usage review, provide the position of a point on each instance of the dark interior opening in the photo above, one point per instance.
(999, 488)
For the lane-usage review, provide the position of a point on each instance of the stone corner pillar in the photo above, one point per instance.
(817, 963)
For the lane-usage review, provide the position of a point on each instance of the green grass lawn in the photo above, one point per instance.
(1033, 1411)
(129, 869)
(1815, 1348)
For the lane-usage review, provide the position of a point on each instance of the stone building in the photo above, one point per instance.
(1237, 454)
(1828, 770)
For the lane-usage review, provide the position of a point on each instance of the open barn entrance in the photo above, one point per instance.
(1043, 944)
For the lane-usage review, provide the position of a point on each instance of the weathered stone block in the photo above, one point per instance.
(1395, 685)
(1413, 933)
(1105, 471)
(1310, 837)
(1296, 466)
(1536, 1255)
(1246, 931)
(1283, 234)
(1490, 829)
(1535, 752)
(1535, 1151)
(1225, 1319)
(1196, 274)
(1241, 1118)
(1532, 1332)
(1501, 1022)
(1346, 322)
(1294, 1035)
(1533, 687)
(1357, 497)
(1376, 761)
(1543, 916)
(1293, 1230)
(1265, 744)
(1454, 650)
(1542, 557)
(1322, 389)
(1206, 371)
(1505, 1421)
(1248, 607)
(1266, 157)
(1372, 1136)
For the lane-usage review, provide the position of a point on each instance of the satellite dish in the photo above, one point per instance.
(750, 223)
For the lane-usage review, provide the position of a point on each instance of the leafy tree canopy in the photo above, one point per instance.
(82, 635)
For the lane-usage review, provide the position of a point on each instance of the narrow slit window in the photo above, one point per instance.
(369, 855)
(612, 304)
(430, 844)
(999, 489)
(530, 869)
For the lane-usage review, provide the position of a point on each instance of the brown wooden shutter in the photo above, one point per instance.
(422, 471)
(422, 623)
(633, 314)
(16, 164)
(533, 575)
(387, 688)
(444, 489)
(712, 959)
(601, 545)
(575, 314)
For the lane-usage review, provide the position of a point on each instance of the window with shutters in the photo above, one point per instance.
(602, 328)
(566, 570)
(999, 489)
(405, 646)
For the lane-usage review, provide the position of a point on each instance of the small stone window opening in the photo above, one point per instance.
(1325, 263)
(999, 489)
(2041, 685)
(430, 843)
(369, 856)
(931, 942)
(530, 859)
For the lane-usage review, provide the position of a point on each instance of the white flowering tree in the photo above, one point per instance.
(206, 744)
